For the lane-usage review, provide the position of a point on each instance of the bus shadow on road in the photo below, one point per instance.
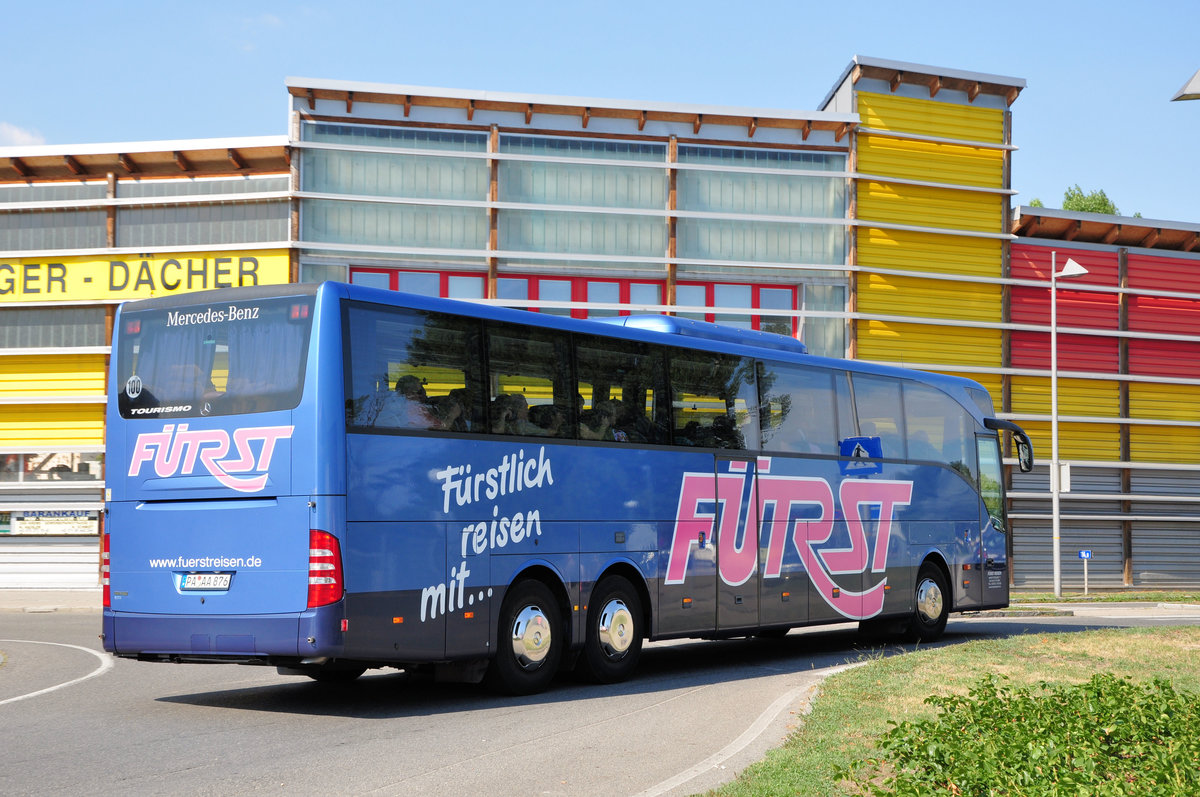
(665, 667)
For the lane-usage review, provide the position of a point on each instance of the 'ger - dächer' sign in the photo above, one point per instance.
(137, 277)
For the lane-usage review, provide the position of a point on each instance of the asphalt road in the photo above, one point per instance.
(76, 721)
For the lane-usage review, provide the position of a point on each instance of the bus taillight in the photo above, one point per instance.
(106, 589)
(324, 569)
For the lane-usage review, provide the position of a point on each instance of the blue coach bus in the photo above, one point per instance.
(328, 479)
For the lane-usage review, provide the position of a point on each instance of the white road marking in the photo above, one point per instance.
(106, 664)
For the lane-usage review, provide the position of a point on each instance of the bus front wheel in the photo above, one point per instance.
(933, 604)
(528, 651)
(614, 631)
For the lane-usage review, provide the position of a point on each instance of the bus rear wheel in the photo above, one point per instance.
(933, 604)
(614, 631)
(528, 651)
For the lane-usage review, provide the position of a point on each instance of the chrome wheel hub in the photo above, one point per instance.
(531, 638)
(615, 630)
(929, 601)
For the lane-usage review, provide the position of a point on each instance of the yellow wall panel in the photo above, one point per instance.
(929, 162)
(930, 117)
(918, 343)
(1170, 444)
(1097, 442)
(52, 375)
(1164, 402)
(50, 425)
(909, 250)
(994, 383)
(1031, 395)
(929, 207)
(882, 294)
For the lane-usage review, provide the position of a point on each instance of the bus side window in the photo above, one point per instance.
(714, 400)
(798, 409)
(528, 382)
(622, 391)
(878, 405)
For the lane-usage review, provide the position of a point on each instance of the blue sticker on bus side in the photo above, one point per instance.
(857, 455)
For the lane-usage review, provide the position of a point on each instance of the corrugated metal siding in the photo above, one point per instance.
(1172, 315)
(1164, 444)
(1166, 554)
(1164, 357)
(1033, 263)
(994, 383)
(882, 294)
(1031, 394)
(1164, 402)
(1075, 352)
(52, 375)
(933, 163)
(923, 251)
(1086, 441)
(1075, 308)
(1033, 557)
(1153, 272)
(49, 563)
(917, 343)
(929, 207)
(930, 118)
(48, 425)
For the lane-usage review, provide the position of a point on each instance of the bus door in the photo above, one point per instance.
(737, 537)
(993, 578)
(711, 579)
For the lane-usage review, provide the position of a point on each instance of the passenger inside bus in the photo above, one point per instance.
(407, 406)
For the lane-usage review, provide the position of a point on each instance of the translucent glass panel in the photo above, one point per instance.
(583, 233)
(52, 192)
(224, 223)
(394, 225)
(394, 175)
(51, 327)
(760, 242)
(168, 188)
(394, 137)
(53, 229)
(825, 336)
(605, 184)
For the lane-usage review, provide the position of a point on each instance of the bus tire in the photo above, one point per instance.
(932, 604)
(614, 631)
(529, 646)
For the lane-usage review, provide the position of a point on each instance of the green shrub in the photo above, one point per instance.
(1108, 736)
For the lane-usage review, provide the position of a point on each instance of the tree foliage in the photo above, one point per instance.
(1095, 201)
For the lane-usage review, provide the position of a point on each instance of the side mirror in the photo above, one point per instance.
(1024, 446)
(1024, 451)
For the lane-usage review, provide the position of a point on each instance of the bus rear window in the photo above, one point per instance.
(219, 359)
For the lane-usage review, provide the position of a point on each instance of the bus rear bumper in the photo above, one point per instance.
(247, 639)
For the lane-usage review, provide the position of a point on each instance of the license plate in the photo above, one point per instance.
(206, 580)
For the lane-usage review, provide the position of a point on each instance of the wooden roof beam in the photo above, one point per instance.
(696, 124)
(973, 91)
(349, 102)
(236, 158)
(1190, 245)
(529, 113)
(312, 99)
(896, 80)
(752, 127)
(73, 166)
(181, 161)
(1073, 230)
(935, 85)
(128, 163)
(842, 130)
(1152, 238)
(586, 115)
(1010, 96)
(1112, 234)
(856, 74)
(407, 104)
(20, 167)
(805, 128)
(642, 121)
(470, 110)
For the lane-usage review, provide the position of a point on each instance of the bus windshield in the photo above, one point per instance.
(214, 359)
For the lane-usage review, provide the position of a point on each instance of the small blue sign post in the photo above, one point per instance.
(1085, 556)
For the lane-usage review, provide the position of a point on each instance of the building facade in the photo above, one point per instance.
(879, 226)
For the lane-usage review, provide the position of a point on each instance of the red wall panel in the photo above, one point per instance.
(1075, 352)
(1077, 307)
(1163, 273)
(1164, 358)
(1033, 263)
(1170, 315)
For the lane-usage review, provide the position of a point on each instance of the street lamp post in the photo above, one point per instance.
(1070, 269)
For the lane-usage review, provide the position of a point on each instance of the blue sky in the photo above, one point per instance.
(1095, 112)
